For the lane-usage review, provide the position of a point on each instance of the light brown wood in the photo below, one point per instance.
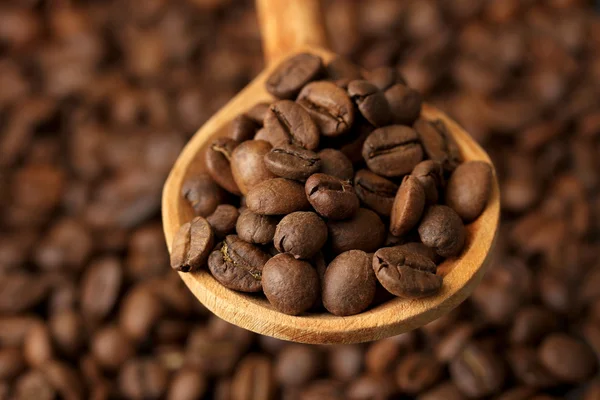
(461, 275)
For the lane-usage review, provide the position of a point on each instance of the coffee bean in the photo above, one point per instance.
(453, 342)
(297, 364)
(14, 329)
(443, 391)
(276, 197)
(143, 379)
(223, 220)
(349, 284)
(64, 379)
(257, 114)
(34, 385)
(248, 166)
(408, 206)
(527, 368)
(420, 248)
(291, 285)
(375, 192)
(21, 291)
(404, 103)
(346, 362)
(331, 197)
(301, 234)
(253, 379)
(191, 245)
(430, 174)
(100, 287)
(371, 102)
(203, 194)
(238, 265)
(329, 106)
(404, 274)
(371, 387)
(417, 372)
(364, 231)
(566, 358)
(243, 128)
(477, 372)
(382, 355)
(531, 324)
(218, 158)
(469, 188)
(438, 143)
(335, 163)
(256, 228)
(11, 363)
(37, 346)
(187, 384)
(287, 122)
(442, 229)
(292, 162)
(384, 77)
(111, 348)
(392, 151)
(292, 74)
(323, 389)
(341, 67)
(352, 146)
(139, 311)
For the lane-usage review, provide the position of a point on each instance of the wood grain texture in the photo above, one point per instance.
(254, 313)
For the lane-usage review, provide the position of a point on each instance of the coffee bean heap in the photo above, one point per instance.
(307, 225)
(96, 100)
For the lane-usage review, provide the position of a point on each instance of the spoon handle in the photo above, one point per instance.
(289, 24)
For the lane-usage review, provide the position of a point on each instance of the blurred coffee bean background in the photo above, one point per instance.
(98, 97)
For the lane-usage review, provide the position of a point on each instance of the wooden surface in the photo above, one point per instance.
(396, 316)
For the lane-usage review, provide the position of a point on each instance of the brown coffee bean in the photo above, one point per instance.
(408, 206)
(223, 220)
(430, 174)
(218, 163)
(382, 356)
(417, 372)
(329, 106)
(346, 362)
(371, 387)
(443, 391)
(301, 234)
(34, 385)
(384, 77)
(276, 197)
(67, 331)
(248, 166)
(11, 363)
(341, 67)
(349, 284)
(292, 162)
(323, 389)
(392, 151)
(244, 127)
(64, 379)
(374, 191)
(192, 244)
(297, 364)
(371, 102)
(257, 113)
(238, 265)
(453, 342)
(253, 379)
(292, 74)
(14, 329)
(256, 228)
(335, 163)
(527, 368)
(143, 379)
(364, 231)
(37, 346)
(469, 188)
(442, 229)
(287, 122)
(331, 197)
(20, 291)
(404, 103)
(203, 194)
(531, 324)
(187, 384)
(111, 348)
(140, 310)
(100, 287)
(566, 358)
(420, 248)
(405, 274)
(477, 372)
(438, 143)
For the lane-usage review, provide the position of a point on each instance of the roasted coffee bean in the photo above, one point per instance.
(301, 234)
(223, 220)
(256, 228)
(277, 196)
(417, 372)
(384, 77)
(290, 285)
(192, 244)
(407, 207)
(469, 188)
(566, 358)
(453, 342)
(527, 368)
(218, 159)
(335, 163)
(329, 106)
(292, 74)
(420, 248)
(443, 391)
(37, 346)
(531, 324)
(11, 363)
(64, 379)
(292, 162)
(404, 103)
(375, 192)
(477, 372)
(34, 385)
(111, 348)
(438, 143)
(430, 174)
(342, 68)
(349, 284)
(248, 166)
(371, 102)
(257, 113)
(404, 274)
(442, 229)
(203, 194)
(297, 364)
(364, 231)
(287, 122)
(346, 362)
(21, 291)
(371, 387)
(392, 151)
(100, 286)
(331, 197)
(238, 265)
(253, 379)
(382, 355)
(187, 384)
(242, 128)
(143, 379)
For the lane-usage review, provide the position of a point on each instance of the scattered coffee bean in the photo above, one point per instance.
(329, 106)
(292, 162)
(287, 122)
(335, 163)
(392, 151)
(331, 197)
(408, 206)
(248, 166)
(191, 245)
(256, 228)
(438, 143)
(420, 248)
(292, 74)
(277, 197)
(341, 67)
(223, 220)
(430, 174)
(364, 231)
(404, 103)
(477, 372)
(566, 358)
(301, 234)
(257, 113)
(418, 372)
(218, 158)
(384, 77)
(203, 194)
(371, 102)
(253, 379)
(375, 192)
(469, 188)
(442, 229)
(243, 128)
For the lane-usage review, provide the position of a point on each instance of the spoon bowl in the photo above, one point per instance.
(461, 274)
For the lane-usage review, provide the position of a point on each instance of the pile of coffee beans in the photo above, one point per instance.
(96, 101)
(309, 232)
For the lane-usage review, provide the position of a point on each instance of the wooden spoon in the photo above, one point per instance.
(290, 27)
